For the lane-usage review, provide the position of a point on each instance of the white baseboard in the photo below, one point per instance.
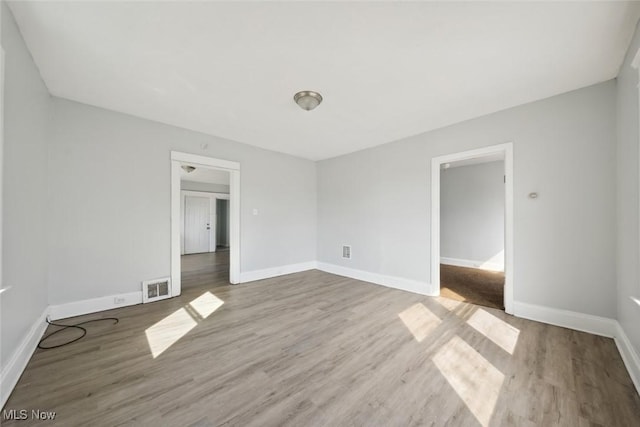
(482, 265)
(629, 355)
(408, 285)
(267, 273)
(596, 325)
(18, 361)
(93, 305)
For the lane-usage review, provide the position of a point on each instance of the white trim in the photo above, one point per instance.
(267, 273)
(468, 263)
(507, 149)
(93, 305)
(234, 227)
(629, 355)
(177, 160)
(18, 361)
(195, 159)
(176, 227)
(401, 283)
(597, 325)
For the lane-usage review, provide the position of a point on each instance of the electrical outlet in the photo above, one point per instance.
(118, 300)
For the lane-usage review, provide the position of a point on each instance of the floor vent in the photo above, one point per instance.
(155, 290)
(346, 252)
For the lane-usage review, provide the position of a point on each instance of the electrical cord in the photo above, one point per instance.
(64, 327)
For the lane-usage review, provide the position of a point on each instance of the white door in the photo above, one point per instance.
(196, 224)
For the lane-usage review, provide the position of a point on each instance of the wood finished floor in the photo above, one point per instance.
(314, 349)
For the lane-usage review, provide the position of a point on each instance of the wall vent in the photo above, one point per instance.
(346, 252)
(155, 290)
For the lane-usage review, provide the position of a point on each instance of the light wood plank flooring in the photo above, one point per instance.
(315, 349)
(199, 269)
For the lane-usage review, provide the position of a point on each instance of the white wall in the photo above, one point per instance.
(110, 201)
(24, 221)
(472, 214)
(628, 253)
(204, 186)
(378, 200)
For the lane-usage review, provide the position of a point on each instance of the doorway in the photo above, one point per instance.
(472, 230)
(472, 226)
(205, 220)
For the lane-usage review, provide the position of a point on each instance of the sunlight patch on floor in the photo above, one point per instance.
(497, 330)
(168, 331)
(448, 303)
(473, 377)
(206, 304)
(419, 320)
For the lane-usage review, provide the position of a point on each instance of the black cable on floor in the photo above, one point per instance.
(76, 326)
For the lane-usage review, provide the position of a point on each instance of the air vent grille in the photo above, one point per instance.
(346, 252)
(155, 290)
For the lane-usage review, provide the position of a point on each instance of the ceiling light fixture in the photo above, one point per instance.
(307, 99)
(188, 169)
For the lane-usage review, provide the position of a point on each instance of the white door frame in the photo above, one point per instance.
(177, 160)
(436, 162)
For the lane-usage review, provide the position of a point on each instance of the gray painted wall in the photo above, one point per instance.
(378, 200)
(112, 226)
(628, 187)
(204, 186)
(24, 226)
(472, 212)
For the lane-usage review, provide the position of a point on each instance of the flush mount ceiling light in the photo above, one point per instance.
(307, 99)
(188, 169)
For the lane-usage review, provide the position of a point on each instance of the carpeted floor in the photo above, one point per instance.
(472, 285)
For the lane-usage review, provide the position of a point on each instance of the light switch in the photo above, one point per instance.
(255, 211)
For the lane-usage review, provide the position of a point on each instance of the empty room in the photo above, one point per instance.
(374, 213)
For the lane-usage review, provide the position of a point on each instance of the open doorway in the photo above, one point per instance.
(472, 226)
(204, 226)
(472, 230)
(205, 221)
